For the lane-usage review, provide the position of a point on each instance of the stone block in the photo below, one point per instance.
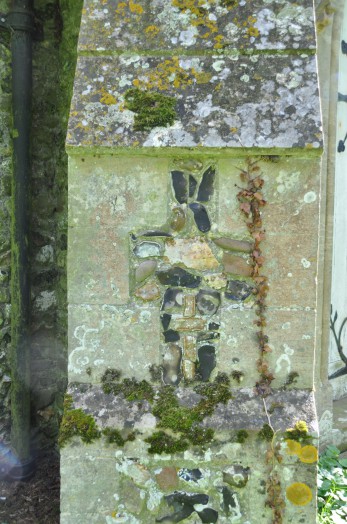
(192, 26)
(262, 101)
(292, 339)
(98, 265)
(291, 190)
(291, 267)
(238, 349)
(115, 191)
(102, 336)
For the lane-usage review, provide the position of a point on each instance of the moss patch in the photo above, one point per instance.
(178, 426)
(76, 423)
(151, 109)
(131, 388)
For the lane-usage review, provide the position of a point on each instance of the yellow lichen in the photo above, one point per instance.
(299, 494)
(135, 8)
(168, 74)
(152, 30)
(308, 454)
(253, 31)
(107, 98)
(293, 447)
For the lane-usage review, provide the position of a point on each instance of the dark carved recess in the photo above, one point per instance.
(337, 337)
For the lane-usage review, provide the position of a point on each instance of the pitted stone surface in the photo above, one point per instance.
(193, 25)
(261, 101)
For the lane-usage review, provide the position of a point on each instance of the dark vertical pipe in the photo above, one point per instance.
(21, 22)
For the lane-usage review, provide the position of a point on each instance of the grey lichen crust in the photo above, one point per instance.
(191, 25)
(259, 101)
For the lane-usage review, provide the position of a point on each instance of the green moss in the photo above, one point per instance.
(266, 433)
(237, 375)
(291, 379)
(151, 109)
(172, 416)
(241, 436)
(160, 442)
(113, 436)
(131, 388)
(76, 423)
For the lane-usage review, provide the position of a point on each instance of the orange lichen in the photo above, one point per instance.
(293, 447)
(308, 454)
(299, 494)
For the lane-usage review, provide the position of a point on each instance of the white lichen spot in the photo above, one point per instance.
(145, 316)
(244, 78)
(45, 255)
(155, 496)
(305, 263)
(218, 65)
(188, 37)
(45, 300)
(290, 275)
(310, 197)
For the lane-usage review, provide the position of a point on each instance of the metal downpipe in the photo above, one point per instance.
(20, 20)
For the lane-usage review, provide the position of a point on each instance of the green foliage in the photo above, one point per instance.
(332, 487)
(76, 423)
(151, 109)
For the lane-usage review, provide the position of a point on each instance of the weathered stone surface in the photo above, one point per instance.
(98, 266)
(216, 280)
(208, 302)
(194, 253)
(201, 217)
(148, 292)
(189, 347)
(167, 478)
(236, 265)
(100, 336)
(206, 186)
(238, 290)
(180, 186)
(207, 361)
(165, 24)
(111, 195)
(236, 476)
(145, 269)
(189, 306)
(188, 369)
(233, 244)
(172, 298)
(188, 324)
(283, 88)
(178, 219)
(177, 276)
(147, 249)
(172, 364)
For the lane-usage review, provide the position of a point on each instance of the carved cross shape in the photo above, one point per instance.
(190, 268)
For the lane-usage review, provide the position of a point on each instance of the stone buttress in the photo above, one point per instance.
(194, 149)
